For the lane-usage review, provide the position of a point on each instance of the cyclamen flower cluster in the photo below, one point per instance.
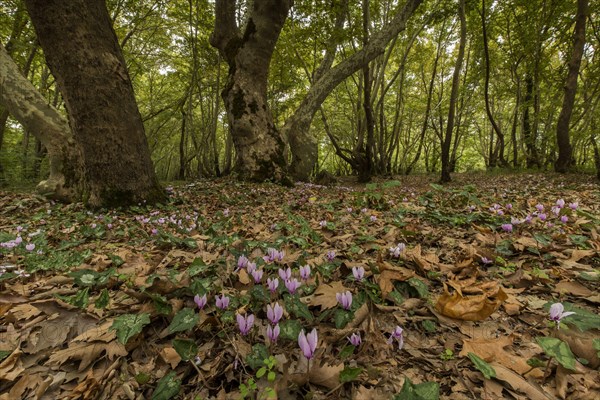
(274, 255)
(395, 251)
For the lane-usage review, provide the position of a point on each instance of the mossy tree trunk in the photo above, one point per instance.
(260, 147)
(83, 54)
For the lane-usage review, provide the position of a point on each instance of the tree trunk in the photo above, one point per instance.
(364, 174)
(445, 176)
(565, 150)
(529, 137)
(260, 147)
(83, 54)
(303, 145)
(28, 107)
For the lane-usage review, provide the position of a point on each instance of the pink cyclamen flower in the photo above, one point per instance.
(305, 272)
(539, 207)
(18, 240)
(245, 323)
(308, 343)
(509, 206)
(574, 205)
(272, 284)
(528, 219)
(257, 274)
(154, 231)
(273, 332)
(355, 339)
(330, 255)
(486, 260)
(222, 302)
(564, 219)
(557, 313)
(345, 299)
(285, 274)
(500, 212)
(226, 212)
(542, 216)
(398, 335)
(373, 218)
(349, 210)
(242, 261)
(323, 224)
(560, 203)
(556, 210)
(200, 301)
(396, 250)
(274, 313)
(292, 285)
(30, 246)
(358, 273)
(251, 267)
(507, 227)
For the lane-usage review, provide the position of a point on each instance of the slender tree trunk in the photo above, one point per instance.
(182, 157)
(303, 145)
(32, 110)
(529, 136)
(366, 172)
(565, 150)
(260, 147)
(488, 109)
(83, 54)
(445, 176)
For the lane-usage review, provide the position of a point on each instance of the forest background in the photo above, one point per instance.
(467, 85)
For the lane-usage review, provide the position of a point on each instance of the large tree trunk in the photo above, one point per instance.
(445, 176)
(303, 145)
(83, 54)
(565, 150)
(529, 137)
(27, 106)
(260, 147)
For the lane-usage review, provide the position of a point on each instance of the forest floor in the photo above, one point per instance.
(101, 305)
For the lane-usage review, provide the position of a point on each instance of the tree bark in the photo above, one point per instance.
(83, 54)
(303, 145)
(27, 106)
(486, 91)
(565, 150)
(445, 176)
(260, 147)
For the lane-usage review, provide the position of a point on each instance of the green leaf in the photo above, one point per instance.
(271, 376)
(129, 325)
(187, 349)
(558, 349)
(342, 317)
(185, 319)
(294, 306)
(596, 344)
(167, 388)
(422, 391)
(346, 352)
(542, 239)
(290, 329)
(79, 299)
(261, 372)
(486, 369)
(256, 358)
(102, 300)
(4, 354)
(161, 304)
(116, 260)
(420, 287)
(349, 374)
(536, 362)
(198, 266)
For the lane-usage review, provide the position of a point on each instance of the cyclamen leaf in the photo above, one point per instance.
(129, 325)
(185, 319)
(486, 369)
(187, 349)
(421, 391)
(558, 349)
(167, 388)
(349, 374)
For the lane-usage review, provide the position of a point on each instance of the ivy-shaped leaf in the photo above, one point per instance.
(102, 300)
(558, 349)
(185, 319)
(167, 388)
(342, 317)
(294, 306)
(422, 391)
(187, 349)
(290, 329)
(129, 325)
(486, 369)
(349, 374)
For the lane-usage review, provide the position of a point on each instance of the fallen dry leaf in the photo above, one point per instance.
(470, 308)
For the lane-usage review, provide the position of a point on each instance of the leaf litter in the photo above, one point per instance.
(104, 305)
